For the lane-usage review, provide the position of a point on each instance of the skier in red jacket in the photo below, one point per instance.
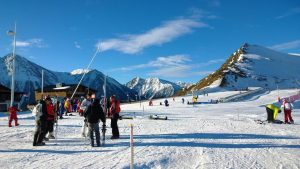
(287, 108)
(12, 116)
(114, 115)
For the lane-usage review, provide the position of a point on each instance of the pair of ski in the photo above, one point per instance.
(258, 121)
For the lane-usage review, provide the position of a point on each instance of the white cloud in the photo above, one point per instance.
(168, 31)
(36, 42)
(211, 62)
(172, 66)
(288, 45)
(77, 45)
(293, 11)
(168, 61)
(172, 71)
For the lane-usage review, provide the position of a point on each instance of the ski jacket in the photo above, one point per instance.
(44, 113)
(12, 110)
(115, 107)
(67, 105)
(275, 109)
(85, 104)
(50, 111)
(287, 106)
(37, 111)
(94, 113)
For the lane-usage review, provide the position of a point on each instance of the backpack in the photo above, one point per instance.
(118, 108)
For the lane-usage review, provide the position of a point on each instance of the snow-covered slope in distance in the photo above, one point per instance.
(153, 87)
(253, 65)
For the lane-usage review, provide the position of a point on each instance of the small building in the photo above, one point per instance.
(5, 98)
(62, 90)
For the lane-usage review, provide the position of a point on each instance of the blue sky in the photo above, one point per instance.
(173, 40)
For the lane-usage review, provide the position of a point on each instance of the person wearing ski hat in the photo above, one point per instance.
(287, 109)
(272, 112)
(93, 114)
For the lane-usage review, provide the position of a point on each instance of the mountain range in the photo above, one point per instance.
(151, 88)
(28, 78)
(254, 66)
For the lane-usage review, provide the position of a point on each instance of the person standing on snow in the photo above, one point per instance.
(12, 116)
(93, 114)
(287, 109)
(84, 105)
(52, 116)
(114, 115)
(41, 123)
(166, 103)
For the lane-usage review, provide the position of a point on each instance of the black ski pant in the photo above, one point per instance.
(40, 132)
(270, 115)
(114, 125)
(50, 126)
(94, 127)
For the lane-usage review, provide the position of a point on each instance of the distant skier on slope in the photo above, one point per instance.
(166, 103)
(272, 112)
(93, 114)
(287, 109)
(12, 116)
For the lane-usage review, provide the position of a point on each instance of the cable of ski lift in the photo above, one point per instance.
(84, 72)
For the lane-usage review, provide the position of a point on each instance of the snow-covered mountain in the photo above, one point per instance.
(184, 84)
(80, 71)
(153, 87)
(28, 78)
(255, 66)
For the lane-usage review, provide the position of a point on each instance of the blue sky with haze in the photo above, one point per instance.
(173, 40)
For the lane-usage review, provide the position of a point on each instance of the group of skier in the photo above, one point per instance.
(45, 117)
(273, 110)
(93, 110)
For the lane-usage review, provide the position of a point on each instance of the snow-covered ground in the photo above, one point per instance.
(204, 136)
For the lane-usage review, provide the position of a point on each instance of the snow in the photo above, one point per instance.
(263, 67)
(61, 88)
(153, 87)
(80, 71)
(204, 136)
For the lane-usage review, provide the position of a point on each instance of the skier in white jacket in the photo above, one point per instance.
(84, 105)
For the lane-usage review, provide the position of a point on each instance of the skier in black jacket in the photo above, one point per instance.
(93, 114)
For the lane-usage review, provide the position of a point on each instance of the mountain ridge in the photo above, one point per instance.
(28, 78)
(253, 66)
(151, 88)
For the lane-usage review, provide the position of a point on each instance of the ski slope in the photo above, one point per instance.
(202, 136)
